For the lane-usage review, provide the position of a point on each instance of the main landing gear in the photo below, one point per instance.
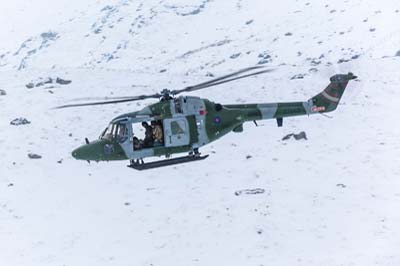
(139, 164)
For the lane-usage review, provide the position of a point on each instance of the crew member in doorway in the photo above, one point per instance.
(158, 133)
(148, 135)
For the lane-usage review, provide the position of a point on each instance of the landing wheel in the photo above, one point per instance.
(195, 152)
(137, 162)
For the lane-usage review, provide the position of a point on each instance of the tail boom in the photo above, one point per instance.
(326, 101)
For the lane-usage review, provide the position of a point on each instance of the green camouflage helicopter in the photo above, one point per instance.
(186, 123)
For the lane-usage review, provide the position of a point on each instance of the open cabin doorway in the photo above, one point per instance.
(147, 134)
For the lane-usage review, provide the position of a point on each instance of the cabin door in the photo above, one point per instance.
(176, 132)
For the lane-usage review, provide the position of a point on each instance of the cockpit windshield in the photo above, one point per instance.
(115, 131)
(107, 133)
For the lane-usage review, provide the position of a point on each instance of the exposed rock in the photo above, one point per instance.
(249, 157)
(250, 191)
(372, 29)
(3, 92)
(62, 81)
(288, 34)
(341, 185)
(301, 135)
(343, 61)
(265, 57)
(33, 45)
(315, 62)
(398, 53)
(45, 81)
(30, 85)
(20, 121)
(298, 76)
(34, 156)
(190, 10)
(215, 44)
(234, 56)
(50, 35)
(354, 57)
(209, 74)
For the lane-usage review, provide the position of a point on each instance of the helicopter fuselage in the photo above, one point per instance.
(186, 123)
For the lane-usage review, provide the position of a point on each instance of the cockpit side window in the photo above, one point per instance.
(107, 133)
(121, 133)
(118, 132)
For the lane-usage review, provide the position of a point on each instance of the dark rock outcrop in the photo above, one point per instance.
(301, 135)
(250, 191)
(34, 156)
(20, 121)
(46, 81)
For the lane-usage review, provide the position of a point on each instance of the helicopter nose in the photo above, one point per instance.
(99, 150)
(86, 152)
(79, 153)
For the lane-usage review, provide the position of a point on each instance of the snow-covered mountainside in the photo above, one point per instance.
(332, 199)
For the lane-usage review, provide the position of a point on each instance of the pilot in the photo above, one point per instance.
(122, 134)
(148, 135)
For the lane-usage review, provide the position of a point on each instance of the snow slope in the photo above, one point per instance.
(330, 200)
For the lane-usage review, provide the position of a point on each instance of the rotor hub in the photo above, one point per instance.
(166, 94)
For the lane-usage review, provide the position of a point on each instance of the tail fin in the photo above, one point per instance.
(329, 98)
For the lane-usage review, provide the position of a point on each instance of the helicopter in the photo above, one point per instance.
(183, 124)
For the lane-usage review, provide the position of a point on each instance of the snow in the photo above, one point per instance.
(330, 200)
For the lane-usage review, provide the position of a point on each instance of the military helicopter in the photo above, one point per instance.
(186, 123)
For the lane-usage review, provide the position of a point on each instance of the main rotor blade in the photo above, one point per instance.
(121, 100)
(105, 98)
(222, 80)
(200, 85)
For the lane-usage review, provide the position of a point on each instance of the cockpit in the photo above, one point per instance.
(116, 131)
